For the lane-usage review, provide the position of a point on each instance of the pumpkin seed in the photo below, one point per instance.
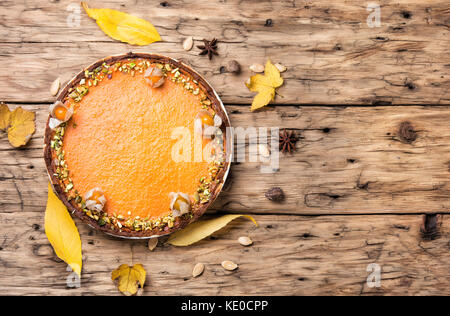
(152, 242)
(280, 67)
(257, 68)
(229, 265)
(198, 269)
(188, 43)
(55, 87)
(245, 241)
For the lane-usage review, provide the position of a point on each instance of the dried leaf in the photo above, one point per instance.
(199, 230)
(129, 278)
(265, 85)
(5, 115)
(62, 232)
(21, 127)
(124, 27)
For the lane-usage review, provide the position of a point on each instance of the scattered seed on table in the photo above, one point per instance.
(229, 265)
(257, 68)
(55, 87)
(152, 242)
(188, 43)
(245, 241)
(198, 269)
(280, 67)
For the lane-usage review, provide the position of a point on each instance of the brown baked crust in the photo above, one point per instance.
(180, 222)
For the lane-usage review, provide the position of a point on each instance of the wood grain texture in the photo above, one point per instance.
(291, 255)
(349, 160)
(332, 56)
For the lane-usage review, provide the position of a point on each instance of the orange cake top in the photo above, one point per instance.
(118, 149)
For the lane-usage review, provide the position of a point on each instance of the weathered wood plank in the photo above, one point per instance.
(291, 255)
(349, 160)
(332, 55)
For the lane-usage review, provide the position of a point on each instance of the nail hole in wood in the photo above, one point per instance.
(410, 85)
(381, 38)
(406, 14)
(362, 186)
(307, 235)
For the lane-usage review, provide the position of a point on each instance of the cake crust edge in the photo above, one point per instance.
(181, 222)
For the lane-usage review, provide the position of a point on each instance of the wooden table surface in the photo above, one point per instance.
(359, 191)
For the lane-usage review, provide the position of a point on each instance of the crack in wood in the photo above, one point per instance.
(20, 196)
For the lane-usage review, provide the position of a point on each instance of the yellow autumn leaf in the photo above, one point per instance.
(19, 124)
(21, 127)
(123, 27)
(265, 85)
(129, 278)
(62, 232)
(5, 115)
(199, 230)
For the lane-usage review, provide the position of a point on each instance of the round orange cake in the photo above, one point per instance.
(112, 145)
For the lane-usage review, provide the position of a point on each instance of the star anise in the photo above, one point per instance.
(287, 141)
(209, 47)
